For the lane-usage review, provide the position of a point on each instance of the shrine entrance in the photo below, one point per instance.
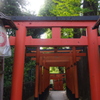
(67, 58)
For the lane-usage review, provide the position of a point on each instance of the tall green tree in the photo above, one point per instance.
(70, 7)
(12, 7)
(47, 7)
(66, 8)
(92, 5)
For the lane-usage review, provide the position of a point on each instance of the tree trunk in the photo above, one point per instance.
(92, 6)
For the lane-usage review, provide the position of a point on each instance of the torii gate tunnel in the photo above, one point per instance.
(21, 41)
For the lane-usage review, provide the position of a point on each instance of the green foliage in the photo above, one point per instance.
(92, 5)
(45, 10)
(63, 8)
(57, 70)
(49, 33)
(66, 33)
(12, 7)
(69, 8)
(64, 86)
(66, 8)
(54, 70)
(36, 32)
(61, 69)
(29, 70)
(8, 69)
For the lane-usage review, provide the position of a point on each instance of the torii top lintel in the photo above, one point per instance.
(55, 23)
(53, 18)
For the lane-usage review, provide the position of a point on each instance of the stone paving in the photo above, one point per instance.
(57, 95)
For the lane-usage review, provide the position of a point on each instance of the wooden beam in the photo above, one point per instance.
(58, 64)
(52, 61)
(30, 54)
(55, 54)
(75, 73)
(52, 51)
(56, 58)
(56, 42)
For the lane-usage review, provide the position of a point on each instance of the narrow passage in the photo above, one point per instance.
(57, 95)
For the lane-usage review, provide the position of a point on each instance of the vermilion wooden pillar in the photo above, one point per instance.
(48, 77)
(43, 80)
(67, 76)
(36, 95)
(94, 67)
(72, 74)
(18, 68)
(40, 78)
(45, 77)
(75, 73)
(56, 32)
(72, 78)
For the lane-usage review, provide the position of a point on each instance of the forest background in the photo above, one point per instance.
(50, 8)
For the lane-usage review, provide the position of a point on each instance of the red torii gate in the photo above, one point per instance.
(92, 41)
(48, 59)
(58, 81)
